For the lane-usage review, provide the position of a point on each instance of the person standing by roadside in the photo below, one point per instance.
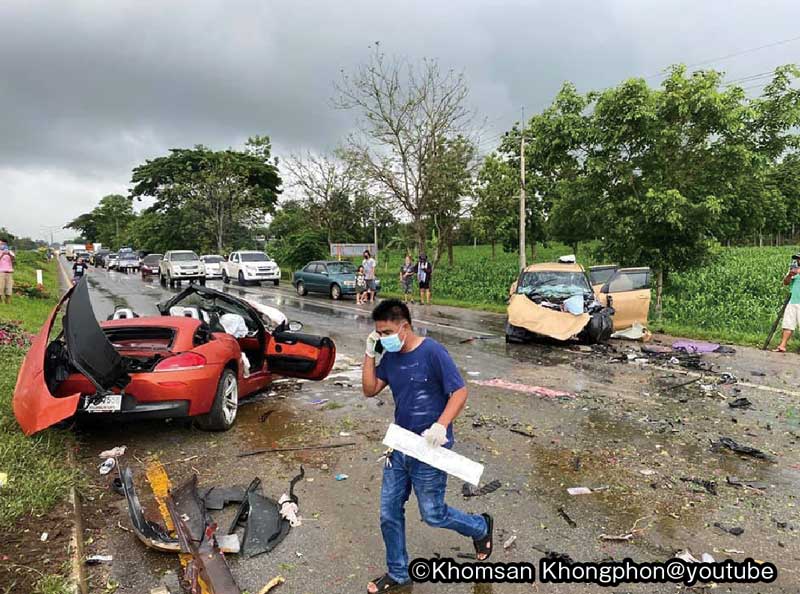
(361, 286)
(424, 273)
(791, 317)
(369, 265)
(7, 259)
(407, 272)
(429, 393)
(78, 270)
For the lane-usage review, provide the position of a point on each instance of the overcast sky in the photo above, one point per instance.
(89, 89)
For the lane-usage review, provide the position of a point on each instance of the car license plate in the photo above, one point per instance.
(108, 403)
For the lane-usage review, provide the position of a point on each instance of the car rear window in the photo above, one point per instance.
(212, 259)
(152, 259)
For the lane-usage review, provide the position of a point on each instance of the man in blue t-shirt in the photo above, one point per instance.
(429, 393)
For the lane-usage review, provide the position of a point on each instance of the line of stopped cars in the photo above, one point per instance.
(205, 351)
(562, 301)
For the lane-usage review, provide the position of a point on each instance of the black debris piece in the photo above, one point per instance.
(264, 416)
(567, 519)
(468, 490)
(730, 444)
(217, 498)
(736, 482)
(735, 530)
(709, 486)
(740, 403)
(265, 527)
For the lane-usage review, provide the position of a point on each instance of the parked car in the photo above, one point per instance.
(331, 277)
(558, 301)
(82, 254)
(149, 265)
(181, 265)
(205, 352)
(250, 267)
(128, 261)
(96, 259)
(110, 261)
(213, 265)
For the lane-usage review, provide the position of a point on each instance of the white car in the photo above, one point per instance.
(181, 265)
(213, 265)
(251, 267)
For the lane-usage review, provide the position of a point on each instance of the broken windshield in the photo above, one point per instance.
(553, 284)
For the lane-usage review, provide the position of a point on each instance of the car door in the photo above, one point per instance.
(314, 277)
(600, 275)
(307, 356)
(629, 289)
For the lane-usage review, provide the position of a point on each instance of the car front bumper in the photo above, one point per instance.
(253, 276)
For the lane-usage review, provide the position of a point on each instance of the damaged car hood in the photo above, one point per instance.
(559, 325)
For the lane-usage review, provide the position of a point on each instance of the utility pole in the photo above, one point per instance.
(375, 226)
(522, 217)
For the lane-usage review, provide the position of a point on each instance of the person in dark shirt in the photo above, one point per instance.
(78, 270)
(424, 273)
(429, 393)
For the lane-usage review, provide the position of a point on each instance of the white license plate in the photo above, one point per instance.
(109, 403)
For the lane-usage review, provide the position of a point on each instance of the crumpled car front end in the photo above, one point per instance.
(555, 301)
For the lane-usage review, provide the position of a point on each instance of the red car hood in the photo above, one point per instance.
(88, 351)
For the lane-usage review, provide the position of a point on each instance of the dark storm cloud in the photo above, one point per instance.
(90, 89)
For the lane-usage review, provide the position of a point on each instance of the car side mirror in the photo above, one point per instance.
(295, 326)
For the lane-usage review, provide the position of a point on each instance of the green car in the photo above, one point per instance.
(332, 277)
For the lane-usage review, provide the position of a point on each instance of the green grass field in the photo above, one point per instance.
(734, 299)
(36, 466)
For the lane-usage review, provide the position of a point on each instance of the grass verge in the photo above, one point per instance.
(37, 469)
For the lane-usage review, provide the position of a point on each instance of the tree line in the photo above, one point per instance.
(658, 177)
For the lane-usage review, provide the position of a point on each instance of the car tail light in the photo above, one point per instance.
(181, 362)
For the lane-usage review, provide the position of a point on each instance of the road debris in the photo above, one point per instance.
(265, 415)
(709, 486)
(276, 581)
(579, 491)
(735, 530)
(755, 485)
(567, 519)
(524, 388)
(115, 452)
(740, 403)
(297, 448)
(730, 444)
(509, 542)
(44, 536)
(107, 466)
(341, 477)
(98, 559)
(468, 490)
(628, 535)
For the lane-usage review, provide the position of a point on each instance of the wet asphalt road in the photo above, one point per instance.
(625, 430)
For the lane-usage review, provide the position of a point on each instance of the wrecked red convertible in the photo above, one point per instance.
(204, 352)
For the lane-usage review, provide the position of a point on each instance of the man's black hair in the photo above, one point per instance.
(391, 310)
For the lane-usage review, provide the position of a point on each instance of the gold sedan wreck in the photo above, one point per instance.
(560, 301)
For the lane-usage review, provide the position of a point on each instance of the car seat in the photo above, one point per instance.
(123, 313)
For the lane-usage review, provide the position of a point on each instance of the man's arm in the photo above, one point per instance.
(455, 405)
(370, 383)
(789, 276)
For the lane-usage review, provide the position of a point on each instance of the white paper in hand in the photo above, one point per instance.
(418, 447)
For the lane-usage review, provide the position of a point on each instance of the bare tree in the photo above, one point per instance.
(404, 110)
(328, 183)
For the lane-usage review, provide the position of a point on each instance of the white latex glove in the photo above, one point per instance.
(436, 435)
(372, 341)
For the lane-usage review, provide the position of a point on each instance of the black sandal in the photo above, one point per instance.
(387, 583)
(483, 546)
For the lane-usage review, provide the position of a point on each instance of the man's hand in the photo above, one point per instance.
(436, 435)
(372, 342)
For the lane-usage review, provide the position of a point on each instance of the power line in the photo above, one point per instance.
(729, 56)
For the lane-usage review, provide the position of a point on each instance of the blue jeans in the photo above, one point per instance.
(429, 486)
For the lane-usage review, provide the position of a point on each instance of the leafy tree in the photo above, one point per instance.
(301, 247)
(495, 213)
(84, 224)
(107, 222)
(227, 189)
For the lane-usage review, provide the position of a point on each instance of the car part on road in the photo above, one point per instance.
(296, 449)
(572, 523)
(265, 527)
(740, 403)
(709, 486)
(207, 562)
(216, 498)
(150, 533)
(734, 530)
(186, 501)
(730, 444)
